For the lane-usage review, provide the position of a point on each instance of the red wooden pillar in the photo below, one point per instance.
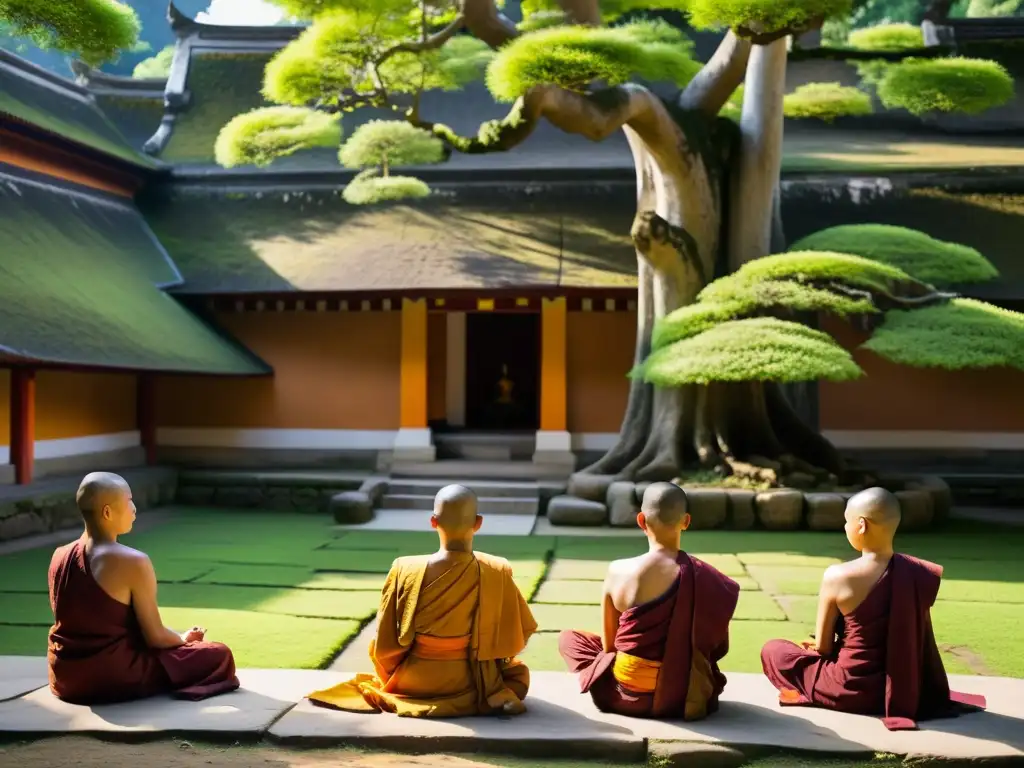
(145, 415)
(23, 423)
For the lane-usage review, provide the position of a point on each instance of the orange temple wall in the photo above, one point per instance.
(332, 371)
(599, 354)
(73, 404)
(897, 398)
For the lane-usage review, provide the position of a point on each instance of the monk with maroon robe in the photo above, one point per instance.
(666, 624)
(108, 642)
(875, 651)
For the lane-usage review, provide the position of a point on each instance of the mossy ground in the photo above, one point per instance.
(290, 591)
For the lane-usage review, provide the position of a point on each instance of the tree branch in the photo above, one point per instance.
(715, 83)
(429, 43)
(586, 13)
(758, 36)
(487, 23)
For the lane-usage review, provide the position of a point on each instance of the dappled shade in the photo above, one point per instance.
(754, 349)
(963, 333)
(924, 257)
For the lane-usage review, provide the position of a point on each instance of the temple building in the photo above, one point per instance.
(155, 307)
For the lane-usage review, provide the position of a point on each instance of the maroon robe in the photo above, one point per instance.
(97, 652)
(880, 667)
(694, 614)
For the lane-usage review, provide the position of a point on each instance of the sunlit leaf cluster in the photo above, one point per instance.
(752, 349)
(826, 102)
(367, 189)
(764, 15)
(887, 37)
(573, 57)
(258, 137)
(94, 30)
(387, 144)
(969, 86)
(919, 255)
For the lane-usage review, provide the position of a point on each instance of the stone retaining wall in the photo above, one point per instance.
(283, 491)
(925, 502)
(50, 506)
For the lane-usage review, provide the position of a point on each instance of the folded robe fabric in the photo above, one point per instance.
(97, 653)
(886, 663)
(447, 648)
(665, 662)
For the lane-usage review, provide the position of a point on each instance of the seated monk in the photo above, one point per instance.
(875, 652)
(666, 624)
(448, 630)
(108, 642)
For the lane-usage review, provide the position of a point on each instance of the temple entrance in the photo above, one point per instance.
(502, 371)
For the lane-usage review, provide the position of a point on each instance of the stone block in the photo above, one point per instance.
(195, 495)
(781, 509)
(375, 488)
(708, 508)
(239, 496)
(8, 509)
(21, 524)
(278, 499)
(590, 487)
(740, 514)
(351, 507)
(688, 754)
(622, 504)
(641, 489)
(825, 511)
(915, 509)
(942, 496)
(570, 510)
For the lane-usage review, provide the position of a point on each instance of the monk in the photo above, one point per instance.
(875, 651)
(108, 642)
(666, 624)
(448, 630)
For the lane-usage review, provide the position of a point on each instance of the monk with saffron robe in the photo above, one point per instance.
(875, 651)
(666, 624)
(449, 628)
(108, 642)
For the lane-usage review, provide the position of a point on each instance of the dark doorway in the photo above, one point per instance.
(502, 371)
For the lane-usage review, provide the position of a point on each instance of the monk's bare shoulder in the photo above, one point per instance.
(493, 560)
(624, 568)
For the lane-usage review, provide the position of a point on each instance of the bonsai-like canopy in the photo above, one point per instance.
(924, 257)
(95, 30)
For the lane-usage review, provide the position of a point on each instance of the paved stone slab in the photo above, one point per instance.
(21, 674)
(547, 730)
(249, 711)
(751, 717)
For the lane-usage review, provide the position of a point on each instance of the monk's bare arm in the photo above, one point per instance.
(147, 612)
(610, 614)
(828, 612)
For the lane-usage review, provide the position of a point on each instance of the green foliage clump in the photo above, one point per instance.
(95, 30)
(385, 144)
(887, 37)
(155, 67)
(262, 135)
(919, 255)
(764, 15)
(962, 333)
(970, 86)
(366, 189)
(573, 57)
(751, 298)
(826, 102)
(805, 267)
(541, 20)
(462, 60)
(314, 9)
(753, 349)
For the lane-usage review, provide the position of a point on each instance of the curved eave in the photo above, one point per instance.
(14, 358)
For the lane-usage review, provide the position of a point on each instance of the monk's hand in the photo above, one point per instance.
(194, 635)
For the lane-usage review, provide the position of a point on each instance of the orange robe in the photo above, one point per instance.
(447, 648)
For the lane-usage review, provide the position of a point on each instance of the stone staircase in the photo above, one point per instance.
(509, 507)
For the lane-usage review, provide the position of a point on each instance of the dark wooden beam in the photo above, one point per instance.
(145, 415)
(23, 423)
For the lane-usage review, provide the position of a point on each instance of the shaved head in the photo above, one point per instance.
(100, 489)
(876, 505)
(664, 505)
(455, 509)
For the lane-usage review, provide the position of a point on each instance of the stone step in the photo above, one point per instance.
(487, 505)
(480, 470)
(489, 488)
(485, 446)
